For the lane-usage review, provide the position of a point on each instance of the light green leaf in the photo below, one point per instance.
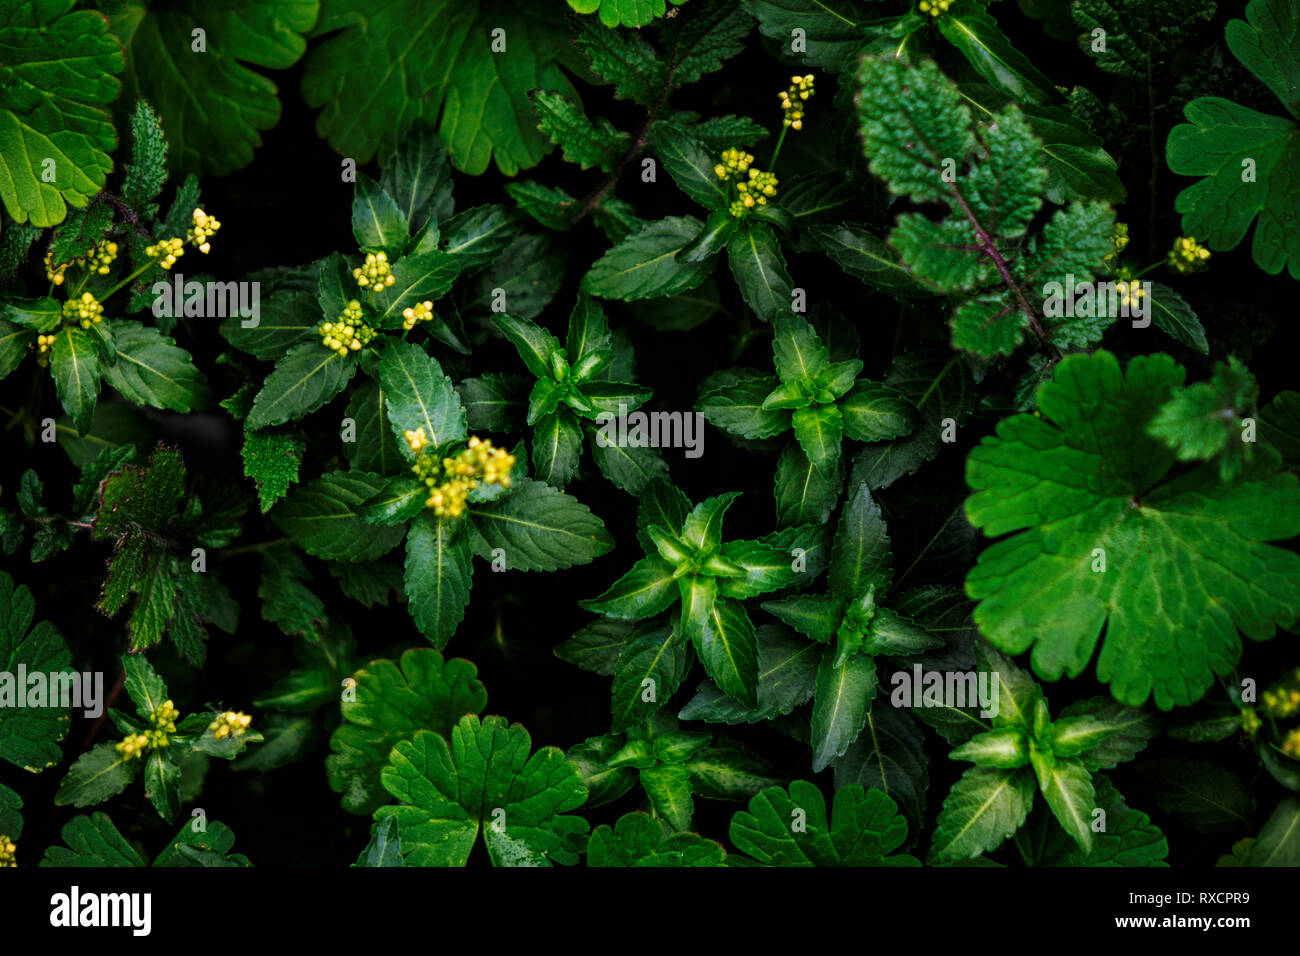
(841, 703)
(29, 734)
(983, 808)
(74, 363)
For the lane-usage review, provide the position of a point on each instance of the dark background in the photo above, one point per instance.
(289, 207)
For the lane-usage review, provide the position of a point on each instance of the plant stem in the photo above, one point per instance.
(147, 265)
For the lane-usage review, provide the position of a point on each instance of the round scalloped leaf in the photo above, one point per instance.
(30, 733)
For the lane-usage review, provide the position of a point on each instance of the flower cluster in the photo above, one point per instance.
(451, 482)
(162, 723)
(230, 724)
(420, 312)
(936, 8)
(349, 333)
(793, 98)
(1128, 288)
(168, 250)
(375, 274)
(8, 851)
(1250, 721)
(202, 230)
(45, 342)
(134, 745)
(1119, 239)
(733, 161)
(98, 257)
(1291, 745)
(1186, 256)
(85, 311)
(1283, 702)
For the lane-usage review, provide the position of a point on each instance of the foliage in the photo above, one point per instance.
(774, 403)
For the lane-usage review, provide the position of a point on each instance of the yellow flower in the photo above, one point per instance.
(349, 333)
(461, 474)
(168, 250)
(792, 99)
(416, 439)
(420, 312)
(133, 746)
(1282, 702)
(733, 161)
(756, 192)
(8, 851)
(101, 257)
(45, 343)
(375, 274)
(202, 229)
(935, 8)
(85, 311)
(1291, 745)
(164, 718)
(230, 724)
(1186, 256)
(52, 272)
(1250, 721)
(1119, 239)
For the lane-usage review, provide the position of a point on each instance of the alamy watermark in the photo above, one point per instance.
(219, 300)
(67, 689)
(652, 430)
(1108, 299)
(919, 688)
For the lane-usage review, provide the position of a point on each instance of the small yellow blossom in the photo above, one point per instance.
(1250, 721)
(935, 8)
(451, 481)
(375, 274)
(45, 342)
(202, 229)
(416, 439)
(101, 257)
(349, 333)
(1282, 703)
(167, 250)
(1291, 745)
(733, 161)
(1186, 256)
(420, 312)
(1118, 239)
(792, 99)
(164, 718)
(230, 724)
(8, 851)
(757, 191)
(85, 311)
(133, 746)
(55, 273)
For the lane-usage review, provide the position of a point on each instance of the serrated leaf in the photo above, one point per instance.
(322, 517)
(92, 840)
(644, 265)
(438, 575)
(841, 703)
(637, 839)
(74, 363)
(391, 702)
(419, 394)
(57, 79)
(983, 808)
(864, 828)
(449, 791)
(583, 141)
(271, 459)
(151, 369)
(889, 755)
(307, 377)
(754, 255)
(98, 774)
(377, 224)
(30, 730)
(1147, 526)
(803, 493)
(539, 528)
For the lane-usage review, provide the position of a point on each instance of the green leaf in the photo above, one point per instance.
(637, 839)
(1278, 843)
(1199, 794)
(718, 230)
(862, 555)
(724, 638)
(99, 773)
(491, 401)
(539, 528)
(668, 788)
(1139, 36)
(363, 76)
(766, 568)
(162, 785)
(374, 447)
(30, 730)
(1152, 529)
(212, 105)
(484, 777)
(597, 646)
(803, 493)
(690, 165)
(152, 370)
(819, 432)
(92, 841)
(841, 703)
(418, 178)
(797, 350)
(976, 35)
(863, 830)
(284, 320)
(989, 326)
(377, 224)
(754, 254)
(645, 265)
(787, 675)
(630, 468)
(833, 29)
(391, 702)
(1126, 731)
(1005, 749)
(557, 445)
(438, 574)
(287, 601)
(1173, 316)
(535, 345)
(643, 592)
(57, 78)
(1129, 839)
(271, 459)
(1070, 796)
(304, 379)
(11, 821)
(649, 670)
(400, 500)
(889, 755)
(1223, 140)
(983, 808)
(322, 517)
(74, 363)
(859, 252)
(582, 141)
(419, 395)
(15, 342)
(211, 847)
(739, 408)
